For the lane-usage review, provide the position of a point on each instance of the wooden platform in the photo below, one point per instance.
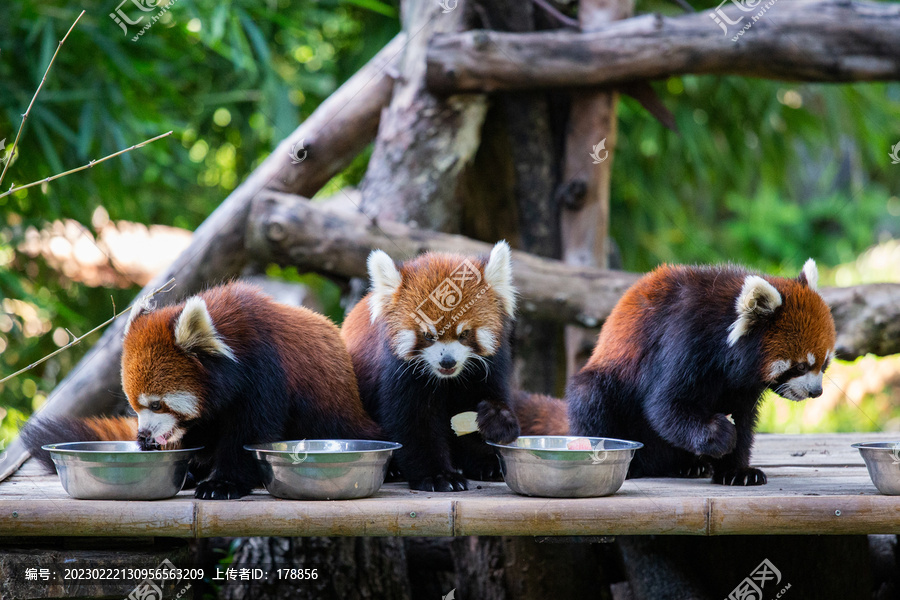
(817, 484)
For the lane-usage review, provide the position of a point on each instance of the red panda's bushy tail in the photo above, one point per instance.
(539, 414)
(55, 430)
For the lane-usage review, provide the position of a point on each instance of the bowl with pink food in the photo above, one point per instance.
(560, 466)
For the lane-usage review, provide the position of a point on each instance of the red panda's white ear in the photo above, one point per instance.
(195, 332)
(385, 281)
(810, 275)
(141, 306)
(758, 299)
(498, 273)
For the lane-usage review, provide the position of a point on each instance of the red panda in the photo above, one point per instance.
(687, 347)
(539, 414)
(225, 368)
(432, 340)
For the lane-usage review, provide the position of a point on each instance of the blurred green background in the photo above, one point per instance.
(763, 173)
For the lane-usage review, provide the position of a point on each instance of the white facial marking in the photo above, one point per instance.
(778, 367)
(183, 403)
(811, 359)
(159, 424)
(799, 388)
(486, 339)
(456, 351)
(461, 327)
(404, 343)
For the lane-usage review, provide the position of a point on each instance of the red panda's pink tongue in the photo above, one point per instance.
(161, 440)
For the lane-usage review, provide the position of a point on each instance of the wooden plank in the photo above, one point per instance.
(810, 477)
(379, 516)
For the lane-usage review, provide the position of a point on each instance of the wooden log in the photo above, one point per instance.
(584, 190)
(423, 142)
(828, 41)
(332, 137)
(290, 230)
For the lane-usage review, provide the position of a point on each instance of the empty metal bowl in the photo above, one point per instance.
(883, 463)
(323, 469)
(544, 465)
(119, 470)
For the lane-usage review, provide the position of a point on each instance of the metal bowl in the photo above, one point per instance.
(883, 463)
(544, 466)
(323, 469)
(119, 470)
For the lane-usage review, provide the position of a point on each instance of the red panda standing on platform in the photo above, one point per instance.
(688, 347)
(430, 341)
(225, 368)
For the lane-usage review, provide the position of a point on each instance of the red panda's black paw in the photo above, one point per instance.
(444, 482)
(220, 490)
(718, 439)
(740, 476)
(485, 471)
(697, 470)
(497, 424)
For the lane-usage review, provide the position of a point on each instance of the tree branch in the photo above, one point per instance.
(292, 231)
(828, 41)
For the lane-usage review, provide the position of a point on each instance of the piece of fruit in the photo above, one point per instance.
(464, 423)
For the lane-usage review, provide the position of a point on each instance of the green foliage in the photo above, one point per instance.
(764, 173)
(231, 78)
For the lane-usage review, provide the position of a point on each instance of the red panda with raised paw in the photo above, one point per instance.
(225, 368)
(432, 340)
(688, 349)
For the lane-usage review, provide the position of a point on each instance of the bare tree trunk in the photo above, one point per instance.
(423, 142)
(587, 171)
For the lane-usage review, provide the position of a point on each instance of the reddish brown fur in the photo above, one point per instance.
(540, 414)
(152, 363)
(804, 324)
(420, 277)
(114, 429)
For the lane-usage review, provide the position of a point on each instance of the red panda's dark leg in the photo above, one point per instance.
(477, 460)
(734, 468)
(424, 460)
(681, 419)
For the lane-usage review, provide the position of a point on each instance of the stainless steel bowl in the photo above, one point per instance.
(119, 470)
(323, 469)
(544, 466)
(883, 463)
